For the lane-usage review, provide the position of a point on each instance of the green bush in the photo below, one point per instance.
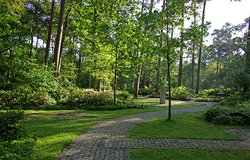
(146, 91)
(18, 150)
(124, 95)
(119, 106)
(228, 115)
(81, 98)
(180, 93)
(9, 126)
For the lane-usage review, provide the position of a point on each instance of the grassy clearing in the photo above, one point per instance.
(53, 134)
(150, 105)
(189, 154)
(184, 126)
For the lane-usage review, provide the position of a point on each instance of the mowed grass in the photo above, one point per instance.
(150, 105)
(184, 126)
(189, 154)
(53, 134)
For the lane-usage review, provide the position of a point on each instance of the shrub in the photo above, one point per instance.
(82, 98)
(9, 125)
(233, 99)
(119, 106)
(20, 149)
(228, 115)
(180, 93)
(124, 95)
(146, 91)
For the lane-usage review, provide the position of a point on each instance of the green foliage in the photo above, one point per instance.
(146, 91)
(9, 125)
(124, 95)
(228, 115)
(21, 149)
(82, 98)
(180, 93)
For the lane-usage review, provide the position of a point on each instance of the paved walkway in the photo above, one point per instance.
(108, 140)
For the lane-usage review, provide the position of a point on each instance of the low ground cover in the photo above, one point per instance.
(190, 154)
(184, 126)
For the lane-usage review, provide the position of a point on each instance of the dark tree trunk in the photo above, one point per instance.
(31, 45)
(49, 34)
(63, 39)
(137, 81)
(158, 76)
(181, 48)
(194, 47)
(200, 48)
(59, 38)
(115, 72)
(246, 87)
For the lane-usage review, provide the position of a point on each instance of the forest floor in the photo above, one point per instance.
(112, 134)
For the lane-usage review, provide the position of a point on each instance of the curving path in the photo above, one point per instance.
(108, 140)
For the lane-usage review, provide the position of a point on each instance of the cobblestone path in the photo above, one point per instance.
(108, 140)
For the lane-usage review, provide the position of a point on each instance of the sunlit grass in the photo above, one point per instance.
(53, 134)
(184, 126)
(189, 154)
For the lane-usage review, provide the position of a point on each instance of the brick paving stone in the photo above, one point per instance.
(108, 140)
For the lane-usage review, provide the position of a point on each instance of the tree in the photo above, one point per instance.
(200, 47)
(49, 34)
(58, 42)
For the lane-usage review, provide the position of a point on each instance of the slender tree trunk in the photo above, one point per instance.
(144, 79)
(59, 38)
(137, 81)
(217, 70)
(31, 45)
(139, 67)
(194, 47)
(200, 47)
(158, 74)
(115, 72)
(169, 87)
(63, 39)
(49, 34)
(247, 87)
(181, 48)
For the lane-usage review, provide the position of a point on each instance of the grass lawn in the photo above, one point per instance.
(150, 105)
(53, 134)
(184, 126)
(189, 154)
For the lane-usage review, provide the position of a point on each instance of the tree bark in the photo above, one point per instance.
(158, 74)
(59, 38)
(200, 47)
(115, 72)
(193, 51)
(247, 87)
(181, 48)
(137, 81)
(46, 59)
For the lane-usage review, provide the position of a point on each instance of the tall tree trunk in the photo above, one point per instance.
(247, 87)
(31, 45)
(137, 81)
(115, 72)
(63, 39)
(158, 73)
(59, 38)
(181, 48)
(138, 70)
(194, 47)
(46, 59)
(200, 48)
(217, 68)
